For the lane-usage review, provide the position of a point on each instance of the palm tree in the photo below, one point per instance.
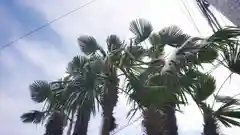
(90, 47)
(227, 114)
(158, 103)
(202, 87)
(82, 91)
(43, 92)
(227, 42)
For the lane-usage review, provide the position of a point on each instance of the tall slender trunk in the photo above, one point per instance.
(210, 126)
(81, 125)
(160, 121)
(55, 124)
(171, 120)
(152, 121)
(110, 98)
(71, 124)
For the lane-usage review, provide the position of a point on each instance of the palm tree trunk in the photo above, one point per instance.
(160, 121)
(171, 120)
(55, 124)
(81, 125)
(152, 121)
(210, 126)
(71, 124)
(110, 98)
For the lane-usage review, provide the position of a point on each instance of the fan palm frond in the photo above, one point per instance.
(113, 43)
(227, 42)
(155, 39)
(173, 36)
(231, 55)
(77, 64)
(40, 91)
(204, 88)
(97, 64)
(228, 105)
(228, 114)
(226, 99)
(228, 122)
(225, 34)
(33, 116)
(157, 48)
(207, 55)
(136, 51)
(83, 90)
(141, 28)
(89, 45)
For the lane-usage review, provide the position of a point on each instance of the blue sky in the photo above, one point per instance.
(44, 54)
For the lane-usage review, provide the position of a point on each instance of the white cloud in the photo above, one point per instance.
(45, 56)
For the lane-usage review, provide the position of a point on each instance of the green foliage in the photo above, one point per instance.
(113, 43)
(224, 35)
(88, 44)
(228, 114)
(157, 48)
(227, 42)
(204, 88)
(85, 87)
(226, 99)
(173, 36)
(40, 91)
(155, 84)
(207, 55)
(33, 116)
(141, 28)
(77, 65)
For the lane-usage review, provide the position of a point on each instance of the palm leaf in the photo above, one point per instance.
(40, 91)
(205, 87)
(136, 51)
(82, 91)
(97, 64)
(228, 122)
(173, 36)
(231, 114)
(225, 34)
(141, 28)
(157, 48)
(77, 64)
(89, 45)
(231, 55)
(113, 43)
(33, 116)
(155, 39)
(227, 106)
(207, 55)
(226, 99)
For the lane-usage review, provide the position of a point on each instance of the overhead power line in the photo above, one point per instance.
(190, 15)
(125, 126)
(45, 25)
